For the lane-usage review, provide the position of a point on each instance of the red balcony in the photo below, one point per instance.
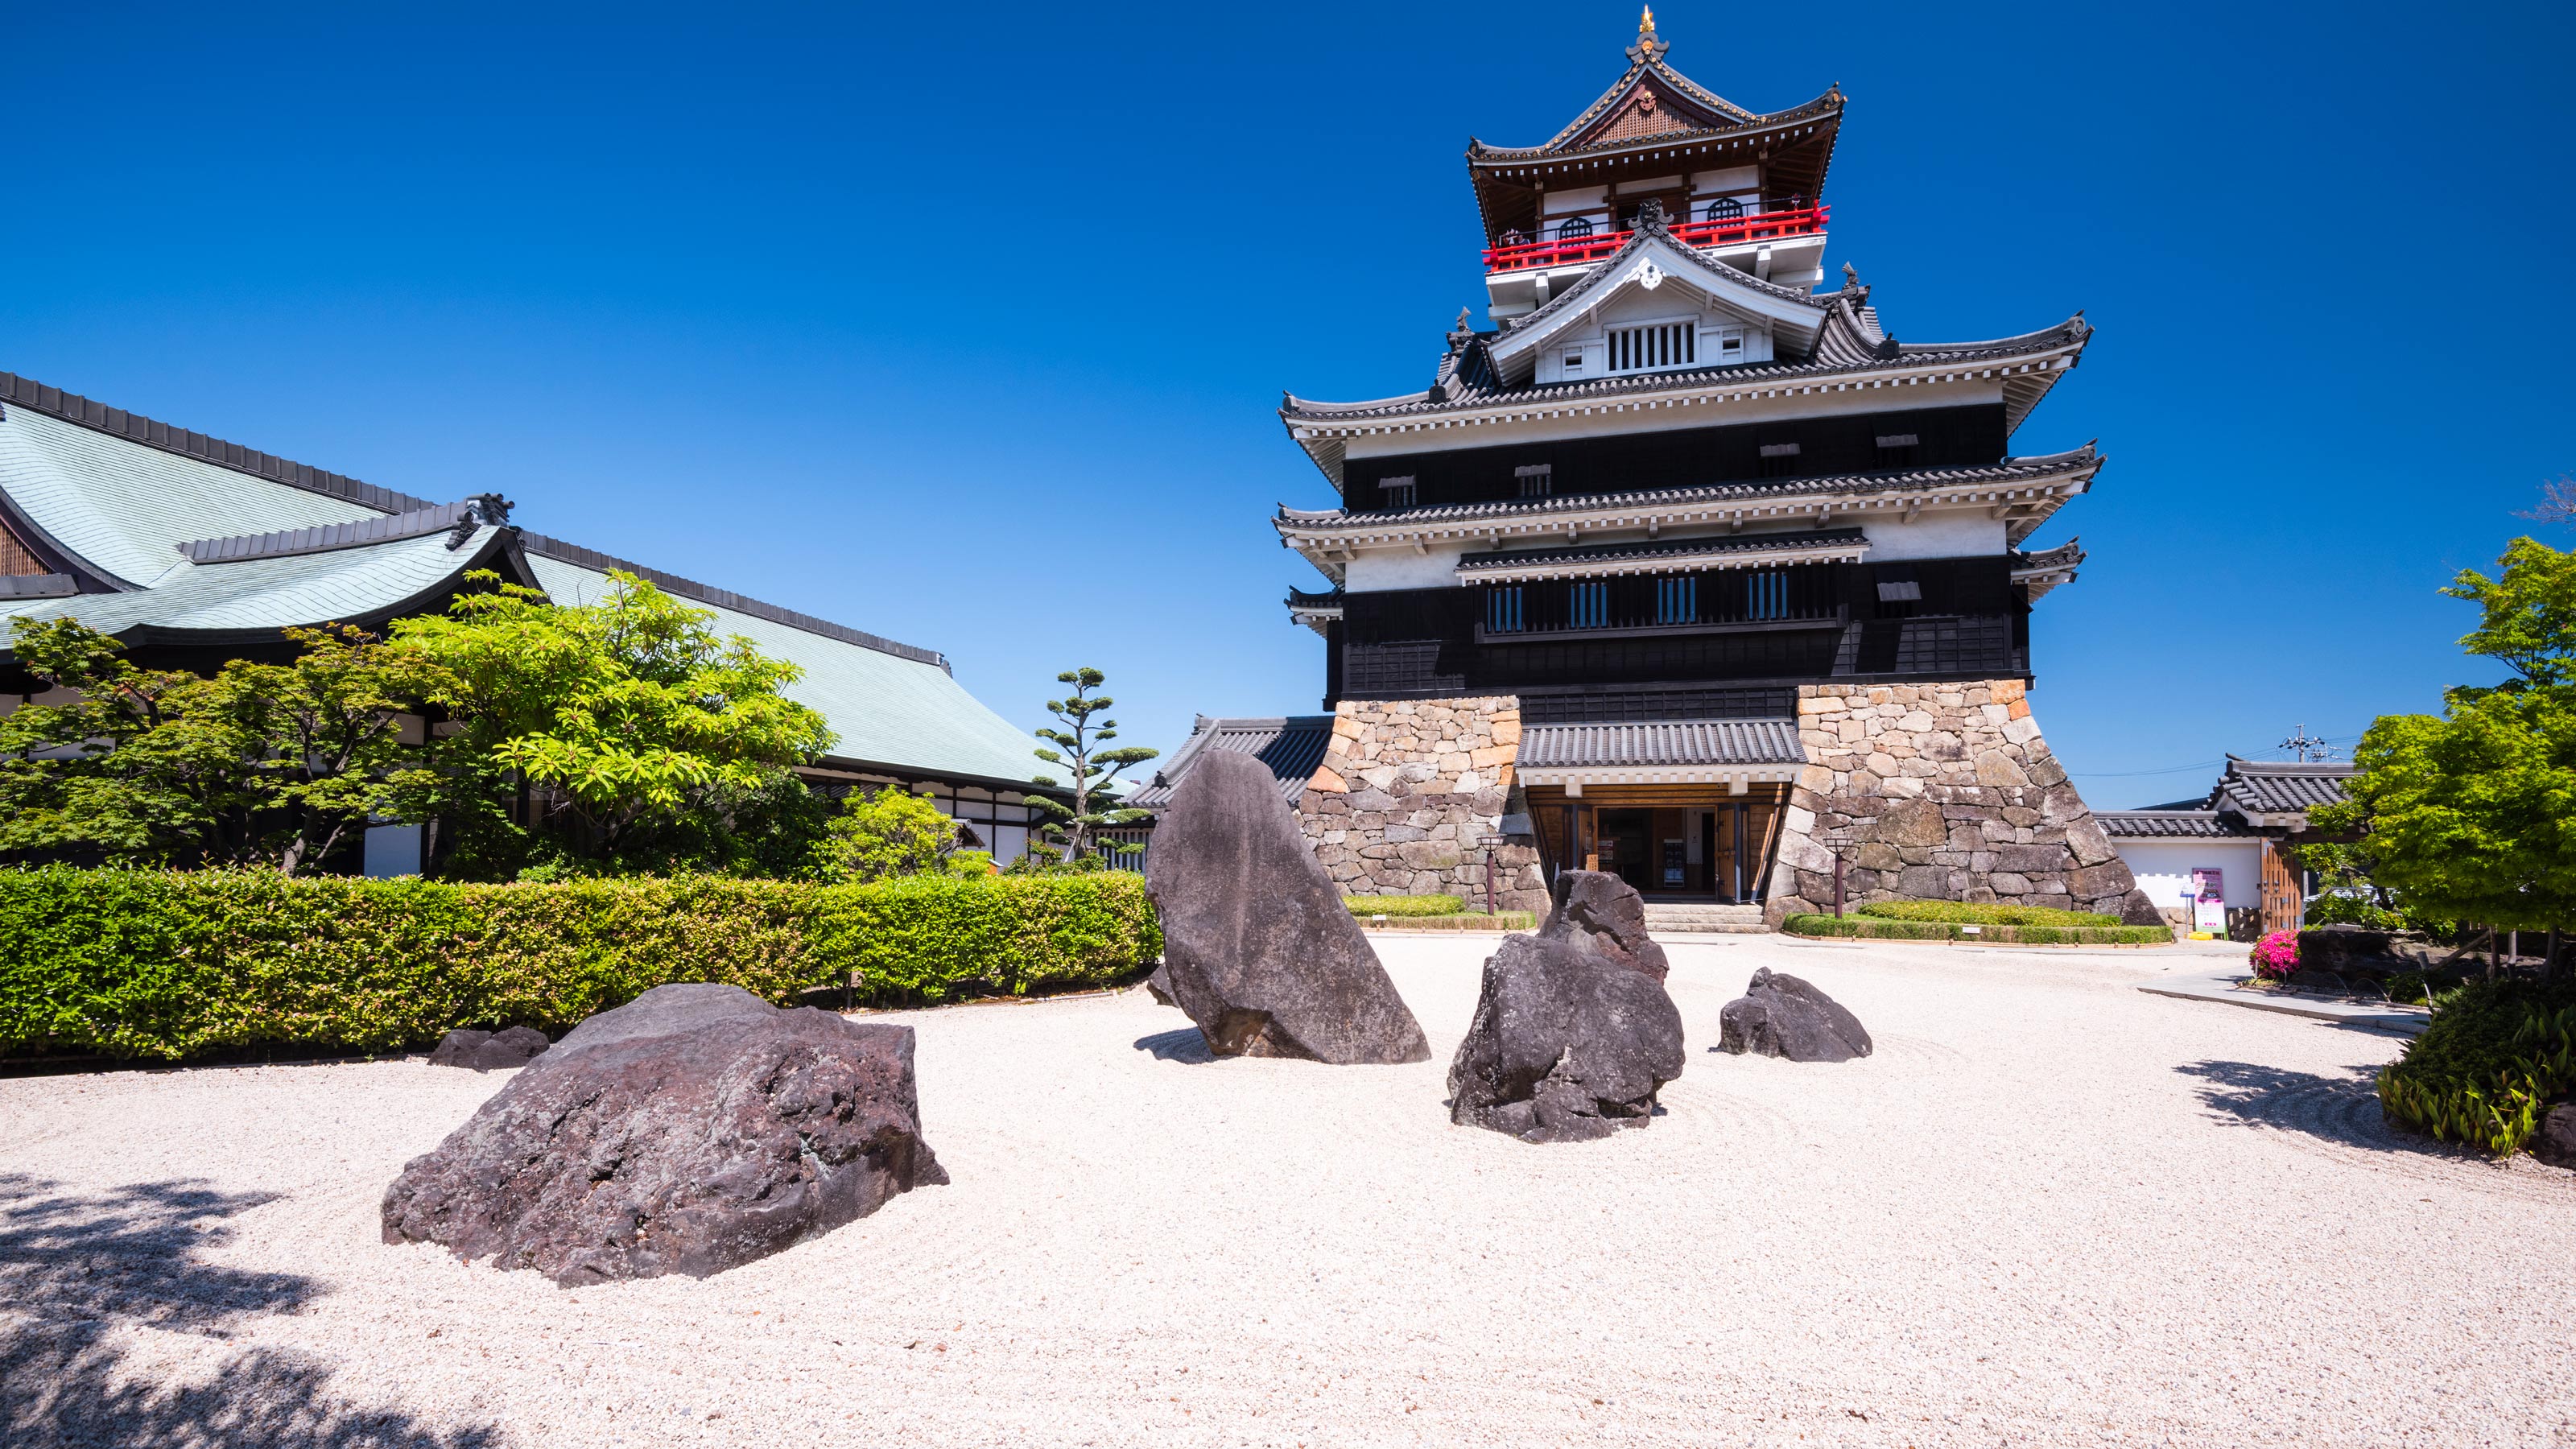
(1575, 251)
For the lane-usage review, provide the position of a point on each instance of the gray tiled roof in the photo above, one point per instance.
(2170, 825)
(1291, 745)
(1685, 547)
(384, 528)
(1898, 481)
(1677, 742)
(2279, 792)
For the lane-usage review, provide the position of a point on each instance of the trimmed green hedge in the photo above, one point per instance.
(1974, 913)
(1879, 928)
(172, 965)
(2487, 1065)
(1404, 905)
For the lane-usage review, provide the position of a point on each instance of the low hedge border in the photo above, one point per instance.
(1459, 921)
(1366, 906)
(1984, 913)
(1877, 928)
(169, 966)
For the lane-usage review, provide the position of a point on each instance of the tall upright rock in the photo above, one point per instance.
(1257, 945)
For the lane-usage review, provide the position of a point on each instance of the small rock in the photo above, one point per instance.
(1782, 1016)
(2555, 1142)
(486, 1051)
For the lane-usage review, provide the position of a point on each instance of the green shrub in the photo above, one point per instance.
(2485, 1068)
(170, 965)
(1404, 905)
(1881, 928)
(1976, 913)
(1464, 921)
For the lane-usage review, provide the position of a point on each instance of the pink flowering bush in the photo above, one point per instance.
(2276, 955)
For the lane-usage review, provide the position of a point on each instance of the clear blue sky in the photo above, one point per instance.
(965, 325)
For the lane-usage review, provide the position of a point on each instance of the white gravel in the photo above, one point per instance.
(2050, 1210)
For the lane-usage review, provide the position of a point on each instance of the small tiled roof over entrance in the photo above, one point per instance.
(1710, 742)
(1291, 745)
(2278, 792)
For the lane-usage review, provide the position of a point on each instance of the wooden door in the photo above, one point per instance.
(2283, 900)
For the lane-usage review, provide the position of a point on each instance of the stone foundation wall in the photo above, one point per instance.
(1406, 790)
(1949, 793)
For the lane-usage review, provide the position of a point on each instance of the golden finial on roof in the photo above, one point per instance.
(1649, 45)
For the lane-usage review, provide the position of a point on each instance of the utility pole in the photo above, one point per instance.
(2307, 749)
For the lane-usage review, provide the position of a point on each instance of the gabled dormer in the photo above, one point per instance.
(1657, 304)
(1745, 186)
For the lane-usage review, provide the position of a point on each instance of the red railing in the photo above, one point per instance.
(1571, 251)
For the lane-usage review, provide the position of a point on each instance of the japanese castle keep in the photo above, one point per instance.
(1689, 569)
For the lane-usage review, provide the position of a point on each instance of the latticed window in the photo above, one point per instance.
(1588, 605)
(1572, 228)
(1660, 344)
(1396, 492)
(1537, 480)
(1766, 595)
(1677, 599)
(1725, 208)
(1503, 609)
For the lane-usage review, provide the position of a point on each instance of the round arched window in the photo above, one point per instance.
(1725, 208)
(1569, 230)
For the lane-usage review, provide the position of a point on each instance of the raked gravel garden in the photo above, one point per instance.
(2050, 1209)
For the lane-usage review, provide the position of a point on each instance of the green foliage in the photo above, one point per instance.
(2486, 1068)
(1089, 769)
(2349, 908)
(1882, 928)
(1974, 913)
(270, 764)
(1463, 921)
(1404, 905)
(895, 833)
(645, 730)
(172, 965)
(2472, 816)
(929, 938)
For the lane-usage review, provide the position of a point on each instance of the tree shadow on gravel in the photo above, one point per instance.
(74, 1269)
(2343, 1110)
(1185, 1045)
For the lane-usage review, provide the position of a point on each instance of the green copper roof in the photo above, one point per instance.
(126, 508)
(273, 593)
(886, 709)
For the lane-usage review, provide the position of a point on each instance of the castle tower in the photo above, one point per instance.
(1688, 568)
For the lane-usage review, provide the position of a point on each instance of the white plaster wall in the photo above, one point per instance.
(1574, 199)
(1402, 568)
(1956, 533)
(1611, 420)
(2163, 868)
(1727, 179)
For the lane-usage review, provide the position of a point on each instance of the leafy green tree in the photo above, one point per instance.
(895, 832)
(1091, 770)
(643, 732)
(2472, 815)
(277, 764)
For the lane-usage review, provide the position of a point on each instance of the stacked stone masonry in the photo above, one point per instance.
(1407, 793)
(1945, 792)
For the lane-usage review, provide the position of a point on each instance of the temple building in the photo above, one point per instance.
(1687, 567)
(192, 551)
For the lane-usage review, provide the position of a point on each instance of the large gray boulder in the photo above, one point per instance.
(488, 1051)
(1257, 945)
(690, 1131)
(1573, 1034)
(1601, 915)
(1782, 1016)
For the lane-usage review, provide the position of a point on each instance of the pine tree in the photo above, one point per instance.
(1091, 769)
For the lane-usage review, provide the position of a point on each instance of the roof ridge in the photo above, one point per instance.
(73, 408)
(459, 518)
(670, 583)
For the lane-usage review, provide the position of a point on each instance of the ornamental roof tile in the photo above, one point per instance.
(1674, 742)
(1291, 745)
(2278, 792)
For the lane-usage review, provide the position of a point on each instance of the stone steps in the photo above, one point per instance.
(1672, 918)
